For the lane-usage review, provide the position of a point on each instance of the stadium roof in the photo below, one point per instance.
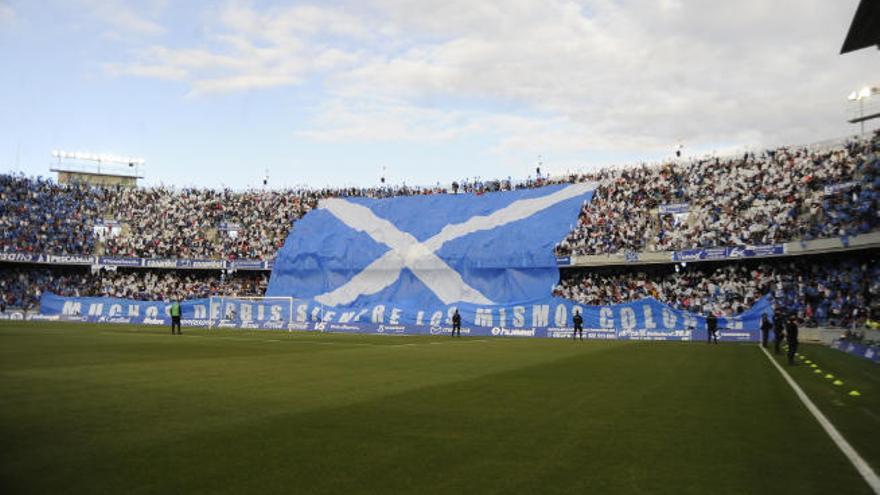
(865, 28)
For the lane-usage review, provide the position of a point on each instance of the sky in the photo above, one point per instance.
(340, 93)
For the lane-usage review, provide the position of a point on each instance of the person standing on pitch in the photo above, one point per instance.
(711, 328)
(578, 321)
(778, 327)
(175, 317)
(765, 330)
(456, 323)
(791, 334)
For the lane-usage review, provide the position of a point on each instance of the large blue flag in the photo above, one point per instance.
(429, 251)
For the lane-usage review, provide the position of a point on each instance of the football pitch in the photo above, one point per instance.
(126, 409)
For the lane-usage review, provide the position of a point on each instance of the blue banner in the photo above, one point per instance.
(647, 319)
(857, 349)
(247, 264)
(18, 257)
(160, 263)
(119, 261)
(721, 253)
(201, 264)
(175, 263)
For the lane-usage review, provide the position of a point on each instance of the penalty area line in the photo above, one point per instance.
(861, 466)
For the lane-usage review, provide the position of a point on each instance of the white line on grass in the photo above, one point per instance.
(861, 466)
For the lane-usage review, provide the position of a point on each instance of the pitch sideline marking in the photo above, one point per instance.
(861, 466)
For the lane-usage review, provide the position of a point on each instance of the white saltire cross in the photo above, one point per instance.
(407, 252)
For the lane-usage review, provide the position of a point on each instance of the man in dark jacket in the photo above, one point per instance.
(578, 321)
(456, 323)
(791, 335)
(711, 328)
(778, 327)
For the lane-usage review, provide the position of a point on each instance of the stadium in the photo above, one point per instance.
(698, 320)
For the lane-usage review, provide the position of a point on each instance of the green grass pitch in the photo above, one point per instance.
(125, 409)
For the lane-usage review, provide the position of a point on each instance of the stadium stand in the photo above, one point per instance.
(830, 290)
(785, 194)
(22, 286)
(755, 199)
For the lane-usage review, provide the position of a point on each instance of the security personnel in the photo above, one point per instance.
(711, 328)
(765, 330)
(175, 317)
(778, 327)
(456, 323)
(578, 321)
(791, 335)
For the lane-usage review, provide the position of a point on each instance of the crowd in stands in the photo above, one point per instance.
(821, 290)
(40, 216)
(775, 196)
(21, 287)
(778, 195)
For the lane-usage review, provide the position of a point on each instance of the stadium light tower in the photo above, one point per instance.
(101, 160)
(861, 96)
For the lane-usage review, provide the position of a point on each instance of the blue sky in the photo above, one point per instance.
(327, 93)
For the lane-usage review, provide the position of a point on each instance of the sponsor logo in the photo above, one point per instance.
(194, 323)
(113, 319)
(320, 326)
(447, 330)
(513, 332)
(734, 334)
(687, 255)
(153, 321)
(249, 324)
(391, 329)
(108, 260)
(642, 334)
(768, 250)
(16, 257)
(737, 252)
(247, 264)
(12, 315)
(70, 259)
(559, 333)
(160, 263)
(273, 325)
(714, 253)
(341, 327)
(227, 324)
(298, 325)
(207, 263)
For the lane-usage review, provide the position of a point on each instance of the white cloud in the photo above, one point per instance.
(537, 74)
(247, 50)
(121, 19)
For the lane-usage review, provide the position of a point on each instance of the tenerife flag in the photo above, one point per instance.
(429, 251)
